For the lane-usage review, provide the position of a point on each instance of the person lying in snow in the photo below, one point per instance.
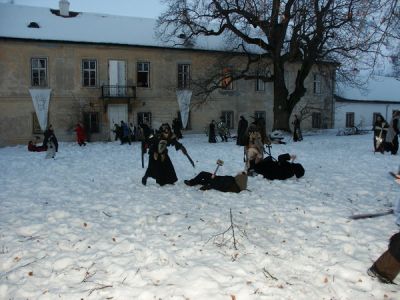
(221, 183)
(387, 266)
(32, 146)
(271, 169)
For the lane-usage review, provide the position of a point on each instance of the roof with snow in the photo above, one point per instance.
(38, 23)
(377, 89)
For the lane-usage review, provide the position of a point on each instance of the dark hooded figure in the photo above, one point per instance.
(280, 169)
(160, 166)
(211, 133)
(380, 130)
(241, 131)
(387, 266)
(49, 135)
(221, 183)
(177, 127)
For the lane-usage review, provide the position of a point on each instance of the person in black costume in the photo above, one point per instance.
(49, 134)
(176, 127)
(241, 131)
(160, 166)
(280, 169)
(380, 130)
(211, 133)
(297, 136)
(221, 183)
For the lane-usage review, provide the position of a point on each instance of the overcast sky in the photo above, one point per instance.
(137, 8)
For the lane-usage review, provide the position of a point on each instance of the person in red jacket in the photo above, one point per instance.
(80, 135)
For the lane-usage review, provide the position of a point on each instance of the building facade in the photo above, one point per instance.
(100, 81)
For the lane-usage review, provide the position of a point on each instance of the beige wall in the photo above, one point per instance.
(69, 98)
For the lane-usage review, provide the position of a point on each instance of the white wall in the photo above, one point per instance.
(362, 112)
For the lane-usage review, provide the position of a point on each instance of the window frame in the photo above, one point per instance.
(183, 76)
(91, 129)
(224, 118)
(350, 118)
(144, 116)
(35, 124)
(227, 79)
(139, 64)
(317, 84)
(316, 120)
(260, 84)
(39, 69)
(89, 70)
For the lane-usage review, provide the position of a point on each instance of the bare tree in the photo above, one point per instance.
(307, 32)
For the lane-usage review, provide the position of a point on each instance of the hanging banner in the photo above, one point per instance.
(184, 97)
(41, 99)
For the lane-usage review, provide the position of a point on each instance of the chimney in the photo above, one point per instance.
(64, 8)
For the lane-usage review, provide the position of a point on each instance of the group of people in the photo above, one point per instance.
(253, 138)
(386, 134)
(125, 133)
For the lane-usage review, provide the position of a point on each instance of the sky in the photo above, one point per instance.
(137, 8)
(82, 225)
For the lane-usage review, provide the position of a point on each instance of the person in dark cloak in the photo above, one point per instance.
(387, 266)
(392, 140)
(126, 133)
(280, 169)
(211, 133)
(160, 166)
(380, 130)
(177, 127)
(297, 135)
(49, 134)
(118, 132)
(241, 131)
(210, 181)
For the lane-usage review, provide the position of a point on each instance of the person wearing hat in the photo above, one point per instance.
(280, 169)
(233, 184)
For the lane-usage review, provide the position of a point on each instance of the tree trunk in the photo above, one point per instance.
(281, 110)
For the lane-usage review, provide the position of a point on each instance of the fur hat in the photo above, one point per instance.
(298, 170)
(241, 180)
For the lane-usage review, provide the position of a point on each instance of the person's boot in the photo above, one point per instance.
(385, 268)
(144, 180)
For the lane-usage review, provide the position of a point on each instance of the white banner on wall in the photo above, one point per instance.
(184, 97)
(41, 99)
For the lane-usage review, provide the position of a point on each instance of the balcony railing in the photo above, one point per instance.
(118, 91)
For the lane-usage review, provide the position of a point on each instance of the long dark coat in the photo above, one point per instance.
(211, 133)
(162, 169)
(220, 183)
(271, 169)
(241, 132)
(380, 131)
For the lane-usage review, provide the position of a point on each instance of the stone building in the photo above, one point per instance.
(101, 69)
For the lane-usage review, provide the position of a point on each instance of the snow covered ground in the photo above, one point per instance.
(83, 226)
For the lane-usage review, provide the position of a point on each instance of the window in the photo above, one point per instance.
(260, 84)
(143, 74)
(39, 71)
(144, 117)
(35, 125)
(316, 120)
(91, 122)
(227, 79)
(259, 115)
(89, 72)
(317, 84)
(350, 119)
(183, 76)
(227, 118)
